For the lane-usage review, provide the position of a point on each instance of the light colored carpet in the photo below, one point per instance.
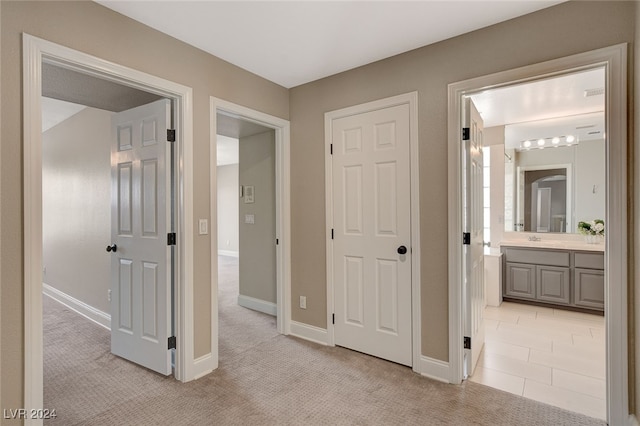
(264, 379)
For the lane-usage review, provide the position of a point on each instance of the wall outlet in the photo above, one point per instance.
(303, 302)
(109, 295)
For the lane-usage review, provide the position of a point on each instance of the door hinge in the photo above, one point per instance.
(277, 241)
(332, 233)
(331, 149)
(466, 238)
(466, 133)
(171, 239)
(171, 135)
(333, 318)
(467, 342)
(172, 342)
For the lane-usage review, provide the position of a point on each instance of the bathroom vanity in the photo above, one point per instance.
(565, 274)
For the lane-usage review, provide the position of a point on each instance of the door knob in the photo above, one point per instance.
(402, 250)
(113, 248)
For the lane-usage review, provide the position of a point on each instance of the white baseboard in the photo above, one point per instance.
(258, 305)
(633, 420)
(203, 365)
(309, 332)
(95, 315)
(434, 369)
(228, 253)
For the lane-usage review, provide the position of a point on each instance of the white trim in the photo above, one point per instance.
(434, 369)
(416, 318)
(283, 210)
(258, 305)
(35, 50)
(614, 59)
(309, 332)
(202, 366)
(96, 315)
(229, 253)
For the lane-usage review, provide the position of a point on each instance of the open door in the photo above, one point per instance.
(141, 266)
(473, 252)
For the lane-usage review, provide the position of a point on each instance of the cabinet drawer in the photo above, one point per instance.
(539, 257)
(588, 260)
(589, 288)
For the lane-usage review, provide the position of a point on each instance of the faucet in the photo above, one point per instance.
(534, 238)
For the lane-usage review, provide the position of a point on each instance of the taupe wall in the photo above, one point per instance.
(566, 29)
(228, 201)
(76, 206)
(257, 269)
(88, 27)
(634, 295)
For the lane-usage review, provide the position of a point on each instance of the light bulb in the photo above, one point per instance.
(526, 144)
(570, 139)
(540, 142)
(555, 140)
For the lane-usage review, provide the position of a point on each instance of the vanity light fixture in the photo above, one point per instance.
(542, 143)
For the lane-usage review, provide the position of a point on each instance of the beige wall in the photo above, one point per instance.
(559, 31)
(228, 202)
(634, 295)
(76, 207)
(257, 241)
(91, 28)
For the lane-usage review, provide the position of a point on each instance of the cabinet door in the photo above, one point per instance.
(520, 282)
(589, 285)
(553, 284)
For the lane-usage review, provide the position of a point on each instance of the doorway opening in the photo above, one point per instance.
(38, 54)
(611, 63)
(250, 241)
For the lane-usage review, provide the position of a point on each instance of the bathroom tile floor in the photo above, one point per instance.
(549, 355)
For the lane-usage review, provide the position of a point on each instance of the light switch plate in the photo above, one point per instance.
(203, 226)
(249, 218)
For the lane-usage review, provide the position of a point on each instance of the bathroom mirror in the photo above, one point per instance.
(547, 148)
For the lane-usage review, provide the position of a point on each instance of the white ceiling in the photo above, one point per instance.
(295, 42)
(547, 108)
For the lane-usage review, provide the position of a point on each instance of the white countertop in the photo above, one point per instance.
(555, 244)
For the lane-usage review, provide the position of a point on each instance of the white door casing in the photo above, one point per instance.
(371, 187)
(141, 219)
(473, 225)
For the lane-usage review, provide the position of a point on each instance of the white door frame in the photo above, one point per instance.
(283, 210)
(412, 100)
(35, 51)
(614, 60)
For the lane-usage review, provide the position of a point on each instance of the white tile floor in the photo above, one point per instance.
(550, 355)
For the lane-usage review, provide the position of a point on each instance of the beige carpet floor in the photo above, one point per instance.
(264, 379)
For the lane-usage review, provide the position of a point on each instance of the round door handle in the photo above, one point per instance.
(402, 250)
(112, 248)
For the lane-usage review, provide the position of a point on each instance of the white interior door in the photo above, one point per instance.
(372, 233)
(473, 251)
(141, 214)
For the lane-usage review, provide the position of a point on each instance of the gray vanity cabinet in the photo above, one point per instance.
(553, 276)
(589, 280)
(521, 281)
